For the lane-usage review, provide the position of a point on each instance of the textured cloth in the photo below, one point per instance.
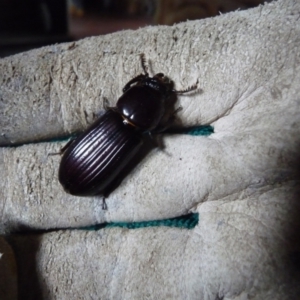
(242, 180)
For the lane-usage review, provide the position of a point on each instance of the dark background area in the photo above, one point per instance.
(28, 24)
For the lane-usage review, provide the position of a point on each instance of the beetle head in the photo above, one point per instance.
(161, 83)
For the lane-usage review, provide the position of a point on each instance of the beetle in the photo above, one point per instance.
(92, 161)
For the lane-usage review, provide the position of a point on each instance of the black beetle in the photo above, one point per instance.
(92, 161)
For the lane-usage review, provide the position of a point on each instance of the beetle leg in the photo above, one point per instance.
(135, 79)
(168, 123)
(106, 104)
(188, 89)
(104, 205)
(144, 65)
(63, 149)
(66, 146)
(177, 110)
(106, 107)
(156, 140)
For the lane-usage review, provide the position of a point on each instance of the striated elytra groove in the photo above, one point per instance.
(86, 165)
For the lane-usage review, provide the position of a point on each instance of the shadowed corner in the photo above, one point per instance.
(26, 248)
(291, 251)
(26, 245)
(284, 256)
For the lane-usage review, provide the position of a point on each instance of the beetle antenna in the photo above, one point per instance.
(144, 63)
(187, 90)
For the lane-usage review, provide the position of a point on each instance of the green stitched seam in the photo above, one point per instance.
(203, 130)
(187, 222)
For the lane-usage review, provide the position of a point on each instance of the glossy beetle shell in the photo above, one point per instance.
(93, 161)
(142, 106)
(96, 157)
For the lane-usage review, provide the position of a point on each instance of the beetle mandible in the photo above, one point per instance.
(92, 161)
